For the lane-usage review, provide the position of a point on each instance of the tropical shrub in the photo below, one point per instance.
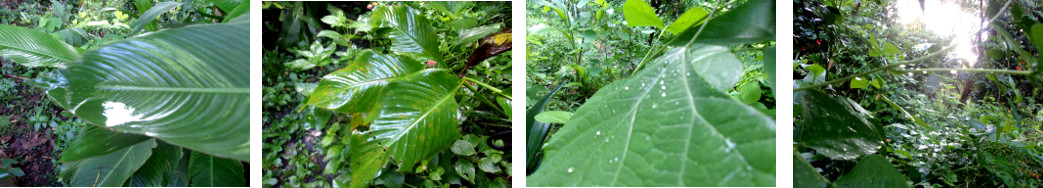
(672, 121)
(400, 93)
(142, 97)
(913, 111)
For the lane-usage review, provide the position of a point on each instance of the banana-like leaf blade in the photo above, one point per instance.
(187, 86)
(411, 33)
(112, 169)
(157, 169)
(96, 141)
(416, 116)
(33, 48)
(358, 87)
(209, 171)
(670, 124)
(152, 14)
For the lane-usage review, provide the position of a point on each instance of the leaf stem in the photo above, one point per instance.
(487, 86)
(653, 48)
(701, 27)
(483, 98)
(1001, 71)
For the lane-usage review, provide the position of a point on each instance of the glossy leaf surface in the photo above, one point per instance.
(152, 14)
(358, 87)
(751, 22)
(671, 124)
(112, 169)
(411, 33)
(366, 161)
(188, 86)
(95, 141)
(638, 13)
(33, 48)
(837, 127)
(156, 171)
(873, 171)
(416, 116)
(209, 171)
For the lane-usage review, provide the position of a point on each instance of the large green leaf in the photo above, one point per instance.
(358, 87)
(693, 17)
(417, 111)
(33, 48)
(670, 124)
(109, 170)
(749, 23)
(418, 117)
(411, 33)
(367, 160)
(152, 14)
(837, 127)
(156, 171)
(873, 171)
(209, 171)
(805, 175)
(187, 86)
(639, 13)
(95, 141)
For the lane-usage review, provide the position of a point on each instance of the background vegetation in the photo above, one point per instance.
(35, 132)
(308, 145)
(913, 111)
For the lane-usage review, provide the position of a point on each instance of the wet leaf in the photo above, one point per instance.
(837, 127)
(671, 124)
(411, 33)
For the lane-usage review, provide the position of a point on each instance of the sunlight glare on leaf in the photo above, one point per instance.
(118, 113)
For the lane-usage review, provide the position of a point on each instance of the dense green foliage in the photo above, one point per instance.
(913, 111)
(141, 93)
(684, 108)
(387, 94)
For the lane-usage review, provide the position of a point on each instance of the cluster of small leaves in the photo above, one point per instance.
(309, 146)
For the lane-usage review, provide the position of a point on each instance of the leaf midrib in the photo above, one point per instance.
(118, 162)
(426, 113)
(37, 53)
(237, 90)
